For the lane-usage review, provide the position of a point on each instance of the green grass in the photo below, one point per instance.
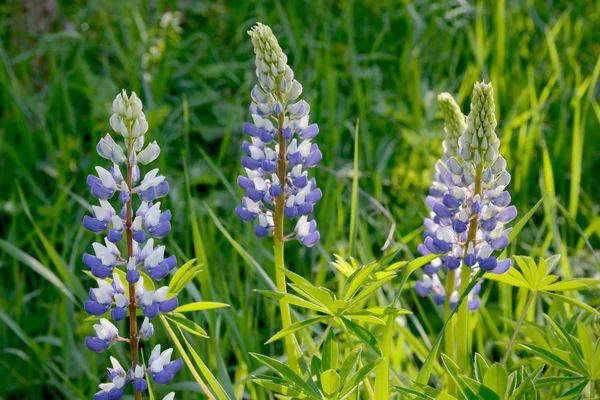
(382, 62)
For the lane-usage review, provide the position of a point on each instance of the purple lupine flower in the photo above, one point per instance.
(154, 302)
(147, 224)
(469, 203)
(106, 335)
(161, 367)
(102, 298)
(275, 98)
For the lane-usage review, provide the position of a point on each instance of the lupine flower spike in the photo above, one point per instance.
(280, 151)
(469, 203)
(124, 293)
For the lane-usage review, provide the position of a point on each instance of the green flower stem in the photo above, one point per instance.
(133, 336)
(382, 374)
(449, 339)
(284, 308)
(519, 323)
(462, 327)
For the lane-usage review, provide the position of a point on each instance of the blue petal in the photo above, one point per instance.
(310, 132)
(151, 311)
(93, 224)
(95, 308)
(140, 384)
(168, 305)
(95, 344)
(118, 313)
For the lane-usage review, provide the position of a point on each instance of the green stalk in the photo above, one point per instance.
(382, 374)
(519, 323)
(449, 339)
(284, 309)
(462, 327)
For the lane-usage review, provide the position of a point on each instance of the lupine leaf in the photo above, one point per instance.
(549, 381)
(575, 392)
(414, 264)
(571, 284)
(286, 373)
(480, 367)
(352, 360)
(296, 326)
(547, 355)
(330, 381)
(358, 377)
(278, 385)
(496, 378)
(294, 300)
(363, 334)
(199, 306)
(356, 280)
(574, 302)
(587, 347)
(329, 354)
(188, 325)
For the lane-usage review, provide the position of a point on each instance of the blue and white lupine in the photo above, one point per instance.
(469, 203)
(120, 273)
(280, 150)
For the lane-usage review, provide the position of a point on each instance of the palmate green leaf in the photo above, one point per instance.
(330, 382)
(352, 360)
(434, 393)
(296, 326)
(571, 284)
(574, 302)
(293, 300)
(368, 289)
(356, 280)
(324, 298)
(587, 347)
(480, 366)
(510, 278)
(188, 325)
(548, 356)
(567, 340)
(278, 385)
(575, 392)
(455, 373)
(496, 379)
(549, 381)
(414, 264)
(413, 394)
(330, 352)
(363, 334)
(358, 377)
(200, 306)
(364, 316)
(286, 373)
(476, 390)
(316, 295)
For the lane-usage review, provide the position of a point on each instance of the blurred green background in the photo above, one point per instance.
(191, 62)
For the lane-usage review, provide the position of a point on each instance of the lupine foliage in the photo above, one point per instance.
(534, 333)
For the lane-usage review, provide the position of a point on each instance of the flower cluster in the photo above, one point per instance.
(469, 203)
(125, 292)
(280, 150)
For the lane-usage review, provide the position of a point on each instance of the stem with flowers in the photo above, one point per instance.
(278, 244)
(133, 337)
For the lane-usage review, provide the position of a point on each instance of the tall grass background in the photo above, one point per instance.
(381, 62)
